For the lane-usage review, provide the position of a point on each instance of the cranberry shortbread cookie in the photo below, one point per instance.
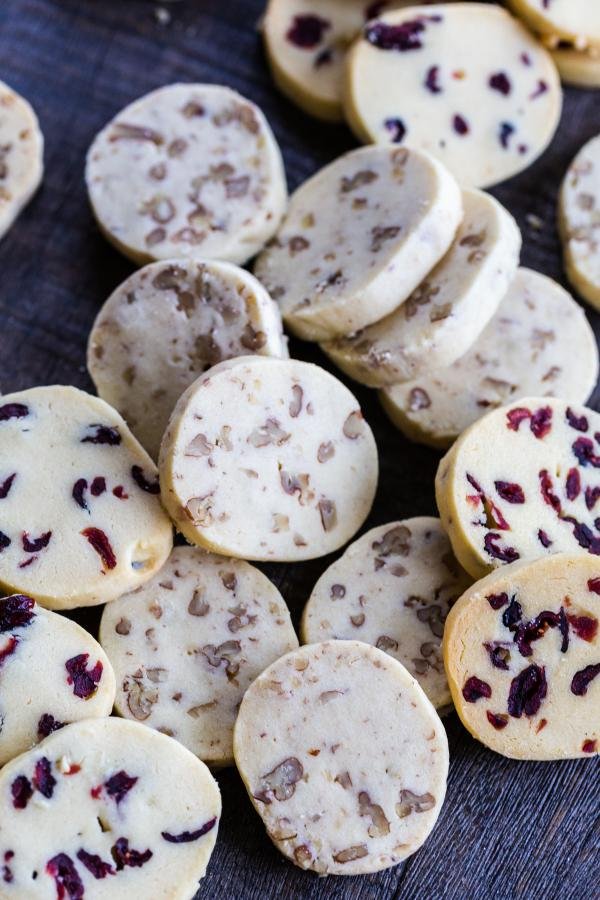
(579, 221)
(21, 155)
(571, 20)
(580, 68)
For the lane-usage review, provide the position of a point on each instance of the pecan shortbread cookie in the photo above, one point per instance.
(188, 170)
(80, 514)
(522, 653)
(464, 81)
(572, 20)
(343, 756)
(442, 318)
(523, 482)
(525, 350)
(109, 810)
(392, 588)
(268, 459)
(168, 323)
(186, 646)
(21, 155)
(52, 673)
(358, 237)
(579, 221)
(580, 68)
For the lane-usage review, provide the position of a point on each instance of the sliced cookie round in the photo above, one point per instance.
(268, 459)
(392, 588)
(443, 317)
(523, 482)
(21, 155)
(188, 170)
(580, 68)
(522, 653)
(186, 646)
(343, 756)
(525, 350)
(579, 221)
(464, 81)
(106, 809)
(80, 514)
(572, 20)
(358, 237)
(168, 323)
(52, 672)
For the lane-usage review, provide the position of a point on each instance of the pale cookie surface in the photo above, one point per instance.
(187, 170)
(343, 756)
(575, 20)
(21, 155)
(392, 588)
(106, 810)
(579, 221)
(357, 239)
(522, 653)
(168, 323)
(268, 459)
(525, 350)
(52, 673)
(188, 644)
(521, 483)
(580, 68)
(446, 313)
(465, 81)
(81, 520)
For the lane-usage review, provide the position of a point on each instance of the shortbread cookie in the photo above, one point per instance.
(580, 68)
(358, 237)
(268, 459)
(522, 653)
(188, 170)
(109, 810)
(464, 81)
(21, 155)
(579, 221)
(525, 350)
(442, 318)
(81, 520)
(392, 588)
(523, 482)
(168, 323)
(187, 645)
(572, 20)
(343, 756)
(52, 672)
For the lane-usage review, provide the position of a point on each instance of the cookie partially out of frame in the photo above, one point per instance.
(21, 155)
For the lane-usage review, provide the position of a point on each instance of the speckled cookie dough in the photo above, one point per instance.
(189, 170)
(168, 323)
(442, 318)
(392, 588)
(523, 482)
(572, 20)
(525, 350)
(21, 155)
(579, 221)
(81, 520)
(186, 646)
(522, 654)
(464, 81)
(109, 810)
(580, 68)
(268, 459)
(358, 237)
(52, 673)
(343, 756)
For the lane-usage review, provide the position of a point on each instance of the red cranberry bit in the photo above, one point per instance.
(500, 82)
(16, 612)
(120, 493)
(34, 545)
(8, 649)
(579, 423)
(401, 37)
(47, 724)
(119, 785)
(592, 494)
(431, 80)
(397, 130)
(512, 615)
(186, 836)
(78, 493)
(504, 136)
(527, 690)
(68, 883)
(98, 486)
(527, 632)
(43, 780)
(103, 434)
(541, 422)
(594, 585)
(573, 484)
(584, 536)
(307, 31)
(585, 627)
(13, 411)
(546, 487)
(512, 493)
(151, 487)
(499, 654)
(7, 875)
(85, 683)
(516, 416)
(583, 678)
(497, 601)
(95, 864)
(498, 720)
(544, 539)
(5, 541)
(124, 856)
(504, 554)
(101, 545)
(588, 747)
(474, 689)
(583, 448)
(460, 125)
(6, 485)
(541, 88)
(21, 791)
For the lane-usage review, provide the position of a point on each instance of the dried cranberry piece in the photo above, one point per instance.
(498, 720)
(504, 554)
(585, 627)
(589, 747)
(95, 864)
(573, 484)
(34, 545)
(504, 136)
(43, 779)
(5, 541)
(101, 545)
(431, 80)
(512, 493)
(583, 448)
(84, 682)
(16, 612)
(592, 495)
(563, 626)
(21, 791)
(541, 422)
(119, 492)
(546, 487)
(460, 125)
(474, 689)
(582, 679)
(544, 539)
(540, 89)
(497, 601)
(186, 836)
(527, 632)
(527, 690)
(78, 493)
(307, 31)
(6, 485)
(8, 649)
(397, 130)
(124, 856)
(500, 81)
(401, 37)
(104, 434)
(119, 785)
(594, 585)
(516, 416)
(62, 868)
(584, 536)
(151, 487)
(98, 486)
(13, 411)
(47, 724)
(499, 654)
(513, 614)
(579, 423)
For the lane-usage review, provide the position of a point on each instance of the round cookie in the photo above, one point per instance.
(189, 170)
(522, 653)
(464, 81)
(268, 459)
(580, 68)
(21, 155)
(525, 350)
(52, 672)
(344, 758)
(81, 520)
(572, 20)
(579, 221)
(358, 237)
(392, 588)
(168, 323)
(521, 483)
(443, 317)
(109, 810)
(186, 646)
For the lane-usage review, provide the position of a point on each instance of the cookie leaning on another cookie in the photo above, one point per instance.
(571, 20)
(21, 155)
(580, 68)
(579, 221)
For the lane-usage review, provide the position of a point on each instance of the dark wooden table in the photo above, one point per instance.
(508, 829)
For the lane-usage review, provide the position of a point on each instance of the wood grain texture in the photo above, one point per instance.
(508, 829)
